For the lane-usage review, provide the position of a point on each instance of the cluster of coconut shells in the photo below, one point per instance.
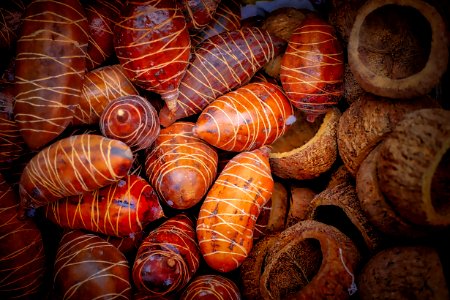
(361, 199)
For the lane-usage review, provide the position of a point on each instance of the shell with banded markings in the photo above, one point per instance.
(220, 64)
(101, 86)
(312, 68)
(181, 166)
(132, 120)
(50, 65)
(167, 259)
(121, 209)
(211, 287)
(199, 13)
(71, 166)
(88, 267)
(22, 257)
(153, 45)
(245, 119)
(229, 212)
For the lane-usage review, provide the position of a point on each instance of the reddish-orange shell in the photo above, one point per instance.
(12, 145)
(228, 214)
(245, 119)
(10, 19)
(102, 16)
(132, 120)
(88, 267)
(168, 258)
(226, 18)
(127, 244)
(22, 257)
(211, 287)
(181, 166)
(101, 86)
(153, 46)
(121, 209)
(312, 67)
(50, 65)
(71, 166)
(199, 13)
(219, 65)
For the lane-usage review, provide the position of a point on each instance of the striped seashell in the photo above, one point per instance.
(220, 64)
(101, 86)
(128, 244)
(153, 46)
(226, 18)
(12, 145)
(88, 267)
(180, 166)
(102, 16)
(167, 259)
(245, 119)
(121, 209)
(22, 257)
(132, 120)
(211, 287)
(229, 212)
(199, 13)
(10, 20)
(312, 68)
(50, 65)
(72, 166)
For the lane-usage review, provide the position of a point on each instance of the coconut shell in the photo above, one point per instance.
(283, 21)
(340, 207)
(341, 175)
(398, 48)
(306, 150)
(376, 207)
(298, 209)
(367, 121)
(310, 260)
(413, 167)
(403, 273)
(342, 16)
(352, 90)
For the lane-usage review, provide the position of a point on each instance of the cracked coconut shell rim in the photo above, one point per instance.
(398, 48)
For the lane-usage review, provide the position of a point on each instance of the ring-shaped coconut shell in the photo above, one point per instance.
(375, 34)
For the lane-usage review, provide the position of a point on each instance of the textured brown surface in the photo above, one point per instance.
(342, 15)
(376, 207)
(340, 175)
(301, 198)
(367, 121)
(310, 159)
(310, 260)
(283, 21)
(390, 50)
(402, 273)
(413, 167)
(352, 90)
(338, 206)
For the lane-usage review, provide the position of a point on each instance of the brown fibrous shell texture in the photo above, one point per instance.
(398, 48)
(306, 150)
(413, 167)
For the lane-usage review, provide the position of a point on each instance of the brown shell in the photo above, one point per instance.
(22, 257)
(71, 166)
(220, 64)
(245, 119)
(180, 166)
(228, 214)
(283, 21)
(352, 90)
(102, 16)
(376, 207)
(306, 150)
(253, 266)
(310, 260)
(340, 175)
(211, 287)
(132, 120)
(199, 13)
(398, 48)
(413, 272)
(301, 198)
(226, 18)
(88, 267)
(101, 86)
(342, 15)
(340, 207)
(413, 167)
(168, 258)
(367, 122)
(153, 46)
(50, 65)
